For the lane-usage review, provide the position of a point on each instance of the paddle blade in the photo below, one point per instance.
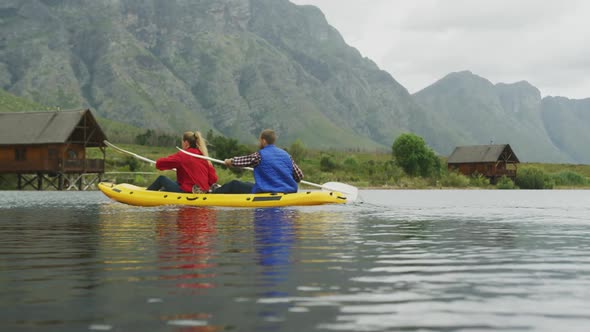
(348, 190)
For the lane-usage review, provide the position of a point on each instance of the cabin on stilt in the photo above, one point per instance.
(491, 161)
(48, 149)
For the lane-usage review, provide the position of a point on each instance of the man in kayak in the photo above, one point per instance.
(274, 169)
(192, 174)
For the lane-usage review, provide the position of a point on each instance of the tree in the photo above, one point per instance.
(223, 147)
(297, 151)
(146, 138)
(413, 155)
(150, 137)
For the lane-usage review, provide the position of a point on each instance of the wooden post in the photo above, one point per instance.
(60, 182)
(39, 181)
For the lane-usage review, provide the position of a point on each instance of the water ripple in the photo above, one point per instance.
(403, 260)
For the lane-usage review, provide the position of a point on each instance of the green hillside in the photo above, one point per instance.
(12, 103)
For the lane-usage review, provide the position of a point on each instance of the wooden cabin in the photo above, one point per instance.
(51, 147)
(491, 161)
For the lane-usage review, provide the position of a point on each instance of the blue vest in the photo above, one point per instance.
(274, 174)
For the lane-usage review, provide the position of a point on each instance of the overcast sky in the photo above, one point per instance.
(546, 43)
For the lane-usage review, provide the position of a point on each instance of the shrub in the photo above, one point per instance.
(327, 163)
(533, 178)
(505, 183)
(478, 180)
(569, 178)
(138, 180)
(133, 163)
(351, 164)
(454, 179)
(381, 173)
(548, 183)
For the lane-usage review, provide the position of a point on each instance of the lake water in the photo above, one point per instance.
(430, 260)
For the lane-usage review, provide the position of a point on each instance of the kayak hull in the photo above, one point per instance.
(139, 196)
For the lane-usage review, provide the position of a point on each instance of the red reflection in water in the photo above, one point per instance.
(190, 245)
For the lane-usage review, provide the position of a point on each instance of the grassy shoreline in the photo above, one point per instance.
(365, 170)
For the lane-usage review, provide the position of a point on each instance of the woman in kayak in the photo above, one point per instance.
(192, 174)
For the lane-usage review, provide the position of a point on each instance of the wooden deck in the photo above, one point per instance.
(54, 166)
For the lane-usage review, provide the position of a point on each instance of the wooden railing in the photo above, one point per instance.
(53, 166)
(83, 166)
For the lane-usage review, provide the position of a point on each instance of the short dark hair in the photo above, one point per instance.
(269, 136)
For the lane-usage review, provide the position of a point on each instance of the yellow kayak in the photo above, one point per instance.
(134, 195)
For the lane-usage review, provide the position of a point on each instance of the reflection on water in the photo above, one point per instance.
(275, 234)
(403, 260)
(187, 239)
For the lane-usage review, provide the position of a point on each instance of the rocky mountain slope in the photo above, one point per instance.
(479, 112)
(238, 66)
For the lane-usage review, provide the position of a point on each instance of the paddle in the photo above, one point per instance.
(350, 191)
(129, 152)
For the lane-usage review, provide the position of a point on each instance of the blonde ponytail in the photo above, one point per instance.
(196, 140)
(201, 143)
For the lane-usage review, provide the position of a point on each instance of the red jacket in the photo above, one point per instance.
(189, 170)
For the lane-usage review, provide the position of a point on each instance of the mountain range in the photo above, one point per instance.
(238, 66)
(549, 129)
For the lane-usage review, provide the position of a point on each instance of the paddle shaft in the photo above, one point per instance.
(129, 152)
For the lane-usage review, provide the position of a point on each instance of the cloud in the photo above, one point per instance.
(481, 15)
(420, 41)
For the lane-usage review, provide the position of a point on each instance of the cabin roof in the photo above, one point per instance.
(482, 154)
(27, 128)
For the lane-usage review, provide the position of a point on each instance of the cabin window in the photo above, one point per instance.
(72, 154)
(20, 154)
